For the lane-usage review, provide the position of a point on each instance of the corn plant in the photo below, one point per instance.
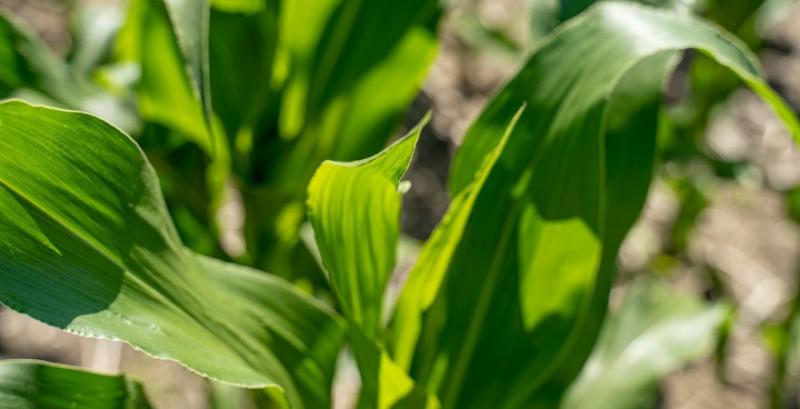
(505, 303)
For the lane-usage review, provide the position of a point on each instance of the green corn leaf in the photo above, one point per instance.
(86, 245)
(657, 330)
(169, 40)
(40, 385)
(425, 279)
(533, 262)
(354, 209)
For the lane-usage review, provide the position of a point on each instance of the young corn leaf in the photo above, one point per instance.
(354, 208)
(35, 385)
(535, 252)
(421, 287)
(87, 246)
(656, 331)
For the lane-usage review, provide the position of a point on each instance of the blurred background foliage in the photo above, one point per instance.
(708, 286)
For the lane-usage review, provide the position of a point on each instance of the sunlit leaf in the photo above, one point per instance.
(354, 208)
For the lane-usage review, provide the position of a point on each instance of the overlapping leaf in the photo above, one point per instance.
(87, 245)
(36, 385)
(532, 265)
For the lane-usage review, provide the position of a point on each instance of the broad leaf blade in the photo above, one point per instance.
(87, 246)
(34, 385)
(523, 276)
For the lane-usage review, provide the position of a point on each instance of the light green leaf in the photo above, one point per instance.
(424, 280)
(657, 330)
(354, 208)
(87, 245)
(535, 255)
(39, 385)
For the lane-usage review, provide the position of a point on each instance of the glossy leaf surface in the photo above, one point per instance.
(354, 208)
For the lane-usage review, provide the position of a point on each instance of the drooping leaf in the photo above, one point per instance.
(533, 257)
(86, 245)
(657, 330)
(40, 385)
